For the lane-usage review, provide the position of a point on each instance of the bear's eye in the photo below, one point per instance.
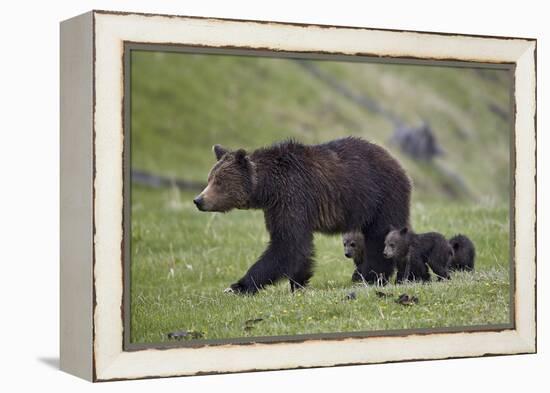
(352, 244)
(392, 245)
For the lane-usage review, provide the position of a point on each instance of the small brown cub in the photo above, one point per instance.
(464, 253)
(354, 248)
(414, 252)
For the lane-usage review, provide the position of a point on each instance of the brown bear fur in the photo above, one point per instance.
(354, 248)
(414, 252)
(340, 186)
(464, 253)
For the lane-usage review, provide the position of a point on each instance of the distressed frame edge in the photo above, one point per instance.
(305, 24)
(525, 191)
(76, 207)
(256, 370)
(527, 338)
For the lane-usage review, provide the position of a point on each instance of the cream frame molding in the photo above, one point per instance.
(92, 143)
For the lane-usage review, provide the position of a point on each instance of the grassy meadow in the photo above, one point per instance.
(182, 259)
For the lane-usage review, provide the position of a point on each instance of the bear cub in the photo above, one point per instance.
(414, 252)
(464, 253)
(354, 248)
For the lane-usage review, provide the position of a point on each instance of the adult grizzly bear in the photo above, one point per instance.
(340, 186)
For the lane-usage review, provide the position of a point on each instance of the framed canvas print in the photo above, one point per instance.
(245, 195)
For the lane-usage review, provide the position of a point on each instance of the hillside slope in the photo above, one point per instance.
(183, 103)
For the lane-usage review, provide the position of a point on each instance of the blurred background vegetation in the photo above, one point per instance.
(448, 126)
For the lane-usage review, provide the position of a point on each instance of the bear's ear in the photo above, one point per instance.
(240, 157)
(219, 151)
(404, 231)
(455, 246)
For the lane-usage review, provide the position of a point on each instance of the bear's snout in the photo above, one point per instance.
(199, 202)
(347, 254)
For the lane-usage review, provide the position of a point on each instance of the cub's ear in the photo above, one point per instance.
(455, 246)
(404, 231)
(219, 151)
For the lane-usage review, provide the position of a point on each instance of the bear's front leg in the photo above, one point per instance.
(400, 276)
(407, 268)
(287, 256)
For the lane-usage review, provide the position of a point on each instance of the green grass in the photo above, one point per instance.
(183, 259)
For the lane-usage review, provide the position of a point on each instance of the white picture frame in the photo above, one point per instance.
(92, 189)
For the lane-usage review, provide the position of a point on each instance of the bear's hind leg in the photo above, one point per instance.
(300, 279)
(376, 269)
(420, 272)
(300, 272)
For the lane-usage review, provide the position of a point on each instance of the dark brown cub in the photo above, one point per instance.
(414, 252)
(464, 253)
(354, 248)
